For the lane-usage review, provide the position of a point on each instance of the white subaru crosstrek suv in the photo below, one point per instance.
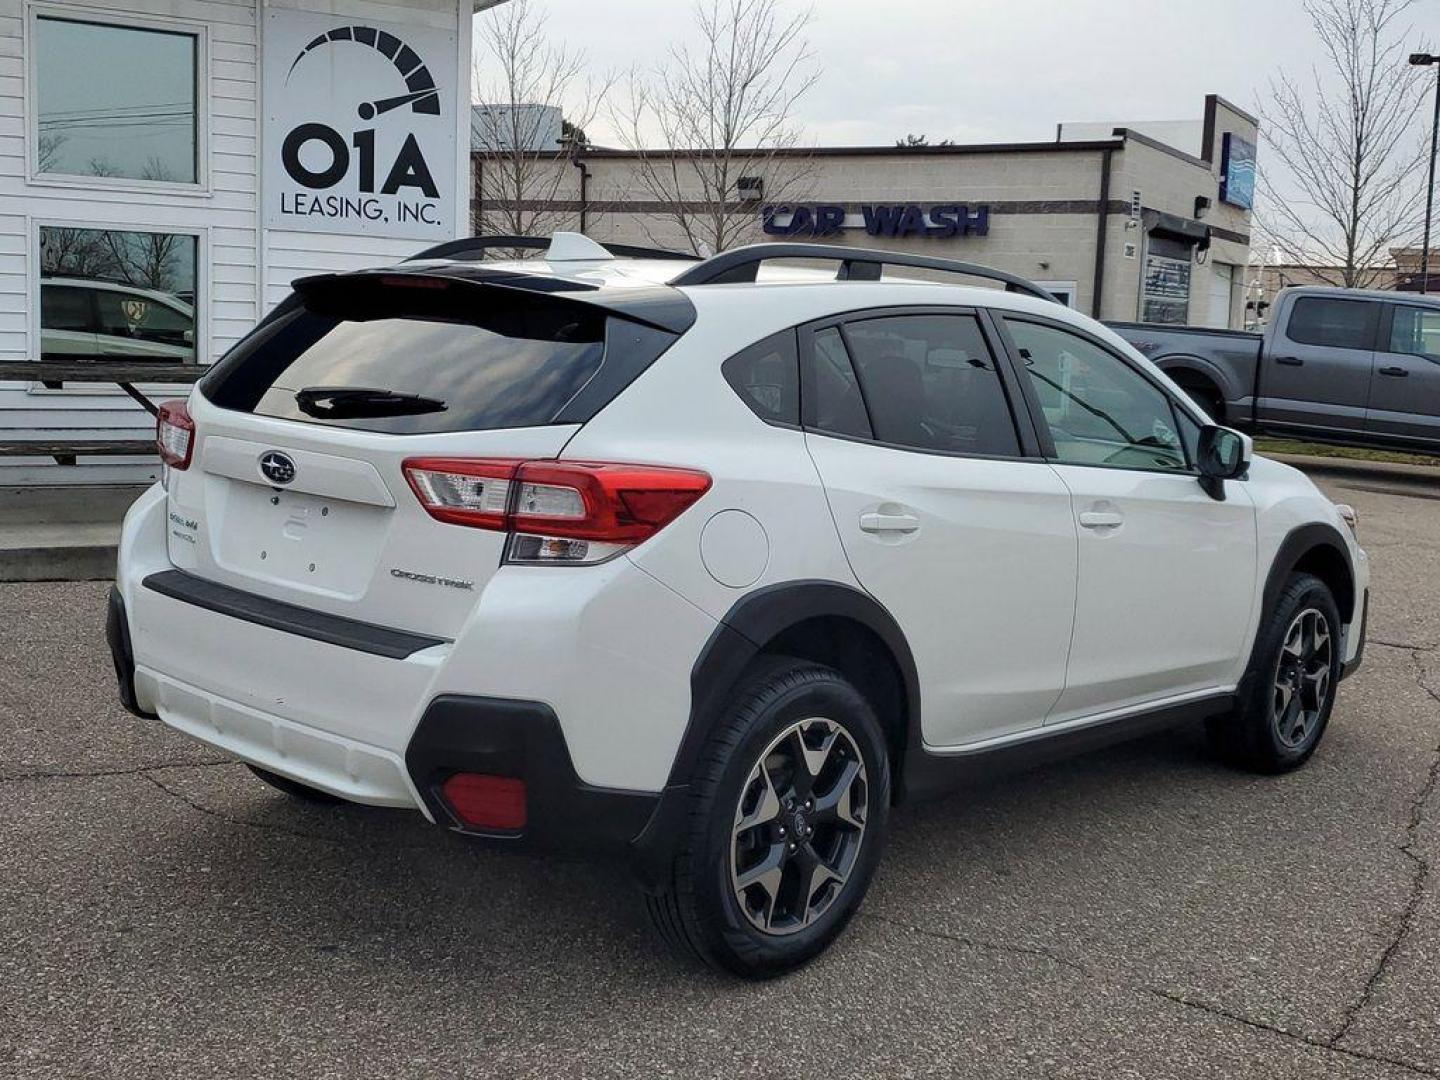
(706, 567)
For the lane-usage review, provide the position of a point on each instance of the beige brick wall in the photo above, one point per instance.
(1048, 243)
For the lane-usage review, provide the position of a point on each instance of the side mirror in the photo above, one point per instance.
(1223, 454)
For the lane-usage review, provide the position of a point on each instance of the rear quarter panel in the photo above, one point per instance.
(765, 519)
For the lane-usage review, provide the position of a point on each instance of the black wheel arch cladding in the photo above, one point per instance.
(759, 622)
(1316, 549)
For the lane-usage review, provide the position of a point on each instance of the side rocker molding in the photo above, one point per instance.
(742, 635)
(933, 774)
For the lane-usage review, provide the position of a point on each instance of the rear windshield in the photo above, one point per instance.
(417, 359)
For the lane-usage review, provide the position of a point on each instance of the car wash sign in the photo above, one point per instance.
(360, 123)
(888, 220)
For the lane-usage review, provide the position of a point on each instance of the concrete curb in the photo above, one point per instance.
(69, 562)
(1392, 470)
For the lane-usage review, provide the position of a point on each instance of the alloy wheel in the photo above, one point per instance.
(1302, 678)
(799, 824)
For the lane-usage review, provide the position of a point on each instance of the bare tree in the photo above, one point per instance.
(70, 252)
(1348, 182)
(723, 111)
(911, 141)
(531, 125)
(48, 149)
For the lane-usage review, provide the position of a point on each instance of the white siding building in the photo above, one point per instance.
(167, 167)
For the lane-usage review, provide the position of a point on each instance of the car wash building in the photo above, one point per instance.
(1144, 221)
(167, 167)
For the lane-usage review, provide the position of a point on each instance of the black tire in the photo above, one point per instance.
(701, 909)
(1275, 729)
(1208, 398)
(294, 788)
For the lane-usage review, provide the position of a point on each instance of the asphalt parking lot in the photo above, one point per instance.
(1142, 912)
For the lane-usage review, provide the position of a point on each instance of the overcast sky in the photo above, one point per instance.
(989, 70)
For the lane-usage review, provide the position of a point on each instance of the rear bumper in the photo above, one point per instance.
(551, 683)
(493, 736)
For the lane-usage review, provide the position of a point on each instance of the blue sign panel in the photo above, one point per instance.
(1237, 172)
(888, 220)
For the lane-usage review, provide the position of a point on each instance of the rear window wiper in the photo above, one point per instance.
(352, 402)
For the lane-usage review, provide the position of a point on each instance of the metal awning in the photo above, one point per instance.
(1174, 227)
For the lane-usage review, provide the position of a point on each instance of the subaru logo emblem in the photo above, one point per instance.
(277, 467)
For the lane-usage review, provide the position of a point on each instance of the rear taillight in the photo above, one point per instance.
(175, 434)
(557, 512)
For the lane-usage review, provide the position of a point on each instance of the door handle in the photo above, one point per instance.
(1290, 361)
(1397, 372)
(1101, 519)
(883, 523)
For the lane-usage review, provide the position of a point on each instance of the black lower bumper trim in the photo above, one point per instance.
(117, 635)
(289, 618)
(522, 739)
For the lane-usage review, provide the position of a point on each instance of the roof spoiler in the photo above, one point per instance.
(660, 307)
(563, 247)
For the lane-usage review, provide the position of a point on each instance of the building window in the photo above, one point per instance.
(116, 101)
(117, 294)
(1165, 296)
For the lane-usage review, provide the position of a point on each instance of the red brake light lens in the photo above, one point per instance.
(572, 512)
(175, 434)
(486, 802)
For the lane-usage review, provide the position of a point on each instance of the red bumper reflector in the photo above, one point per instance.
(486, 802)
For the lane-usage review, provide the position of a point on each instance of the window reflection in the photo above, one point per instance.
(117, 295)
(115, 101)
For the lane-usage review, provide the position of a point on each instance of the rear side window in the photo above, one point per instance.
(1340, 324)
(419, 359)
(1416, 330)
(835, 404)
(930, 383)
(767, 378)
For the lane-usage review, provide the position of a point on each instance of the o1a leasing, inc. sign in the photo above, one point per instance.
(360, 127)
(891, 220)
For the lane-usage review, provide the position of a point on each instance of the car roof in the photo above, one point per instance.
(158, 295)
(1361, 294)
(668, 290)
(628, 273)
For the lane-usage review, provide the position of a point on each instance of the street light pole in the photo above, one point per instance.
(1426, 60)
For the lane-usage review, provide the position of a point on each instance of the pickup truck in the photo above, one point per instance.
(1357, 367)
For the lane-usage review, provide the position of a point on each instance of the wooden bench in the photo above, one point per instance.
(123, 373)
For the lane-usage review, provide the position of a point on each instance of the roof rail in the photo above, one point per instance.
(856, 264)
(474, 248)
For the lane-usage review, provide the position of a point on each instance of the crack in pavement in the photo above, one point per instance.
(1404, 646)
(1117, 979)
(100, 774)
(1421, 873)
(262, 826)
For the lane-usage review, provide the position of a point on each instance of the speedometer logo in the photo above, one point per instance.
(420, 93)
